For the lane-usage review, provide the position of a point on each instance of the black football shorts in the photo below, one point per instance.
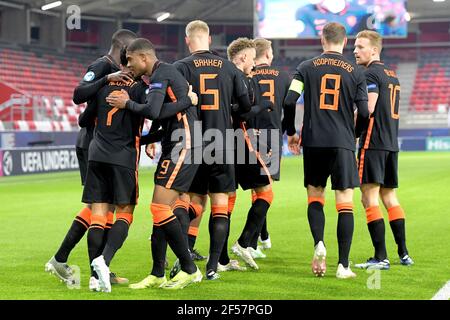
(215, 176)
(340, 164)
(109, 183)
(379, 167)
(176, 171)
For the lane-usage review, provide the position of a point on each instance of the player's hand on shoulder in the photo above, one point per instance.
(193, 96)
(120, 76)
(118, 99)
(294, 144)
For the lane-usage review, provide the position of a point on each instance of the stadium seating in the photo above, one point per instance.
(432, 85)
(52, 77)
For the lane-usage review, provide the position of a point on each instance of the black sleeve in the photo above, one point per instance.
(362, 119)
(87, 117)
(153, 133)
(372, 81)
(361, 89)
(362, 98)
(241, 91)
(87, 91)
(152, 137)
(94, 79)
(172, 108)
(288, 123)
(289, 109)
(154, 106)
(292, 95)
(291, 99)
(255, 110)
(156, 125)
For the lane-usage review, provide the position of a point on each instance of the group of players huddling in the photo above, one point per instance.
(205, 93)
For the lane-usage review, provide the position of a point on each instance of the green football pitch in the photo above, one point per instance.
(37, 210)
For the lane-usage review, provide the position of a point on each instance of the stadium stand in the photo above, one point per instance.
(432, 82)
(46, 79)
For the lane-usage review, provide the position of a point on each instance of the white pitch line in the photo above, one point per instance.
(443, 293)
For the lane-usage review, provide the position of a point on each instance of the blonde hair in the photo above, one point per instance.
(196, 26)
(238, 45)
(262, 46)
(374, 37)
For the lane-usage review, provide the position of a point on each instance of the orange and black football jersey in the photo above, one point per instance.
(382, 132)
(216, 81)
(100, 68)
(270, 84)
(166, 80)
(332, 86)
(117, 132)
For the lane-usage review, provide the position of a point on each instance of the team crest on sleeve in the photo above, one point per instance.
(89, 76)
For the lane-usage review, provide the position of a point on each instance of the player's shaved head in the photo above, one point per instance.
(197, 28)
(141, 45)
(334, 33)
(122, 37)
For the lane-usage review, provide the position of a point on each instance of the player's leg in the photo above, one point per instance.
(198, 190)
(397, 223)
(109, 223)
(123, 191)
(316, 219)
(196, 209)
(345, 227)
(375, 224)
(257, 216)
(98, 191)
(157, 276)
(344, 178)
(254, 175)
(224, 259)
(119, 231)
(395, 211)
(164, 218)
(125, 196)
(372, 165)
(115, 239)
(316, 169)
(76, 231)
(95, 242)
(264, 237)
(218, 229)
(58, 263)
(225, 263)
(181, 211)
